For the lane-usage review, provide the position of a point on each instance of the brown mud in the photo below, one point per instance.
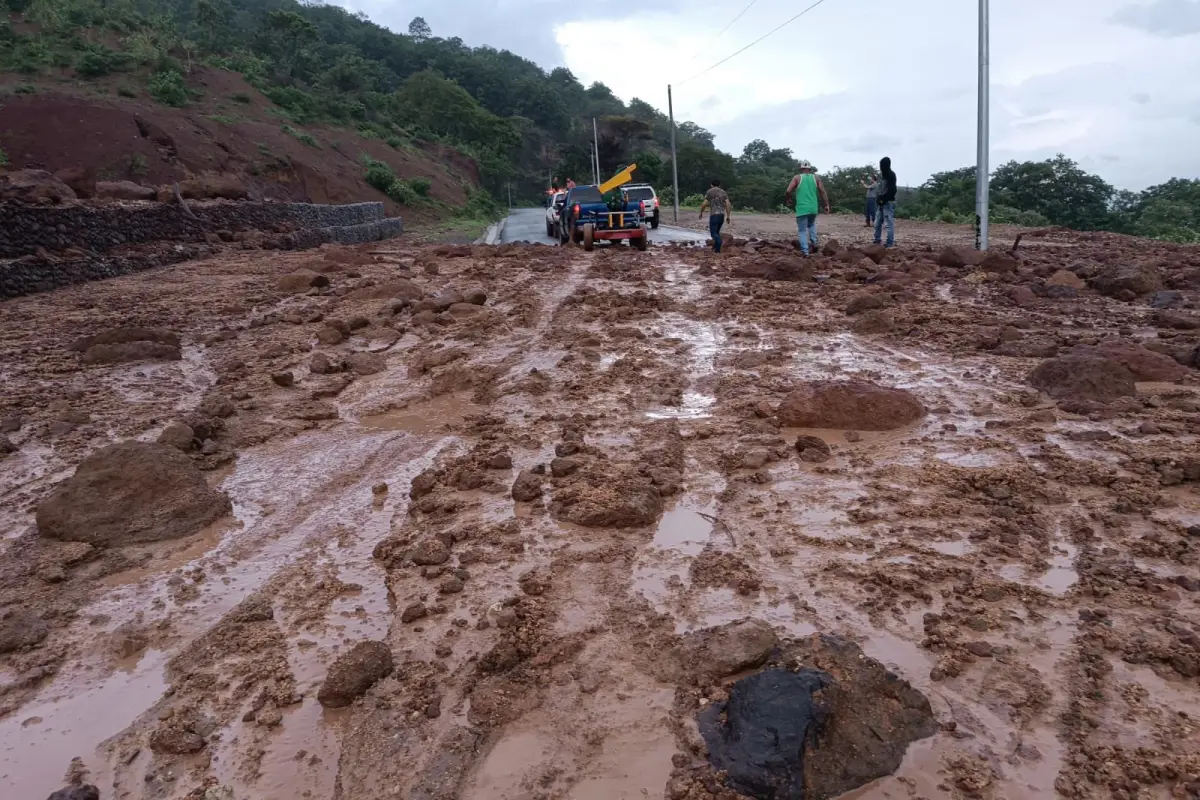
(538, 497)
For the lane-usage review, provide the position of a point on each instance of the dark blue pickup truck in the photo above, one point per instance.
(585, 219)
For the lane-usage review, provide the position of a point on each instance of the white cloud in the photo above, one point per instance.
(1107, 82)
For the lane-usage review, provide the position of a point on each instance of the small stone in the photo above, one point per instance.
(414, 612)
(452, 584)
(527, 487)
(992, 594)
(354, 672)
(284, 379)
(329, 335)
(500, 461)
(270, 718)
(852, 436)
(980, 649)
(430, 552)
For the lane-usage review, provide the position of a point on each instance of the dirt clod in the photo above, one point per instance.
(354, 672)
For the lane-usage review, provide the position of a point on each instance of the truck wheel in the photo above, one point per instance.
(589, 237)
(549, 230)
(654, 221)
(641, 242)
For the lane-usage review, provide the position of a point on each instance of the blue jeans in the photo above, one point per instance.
(871, 206)
(715, 223)
(887, 212)
(806, 232)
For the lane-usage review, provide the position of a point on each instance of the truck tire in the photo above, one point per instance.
(589, 237)
(654, 221)
(641, 242)
(549, 229)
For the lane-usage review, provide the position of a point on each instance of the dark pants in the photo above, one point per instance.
(871, 210)
(715, 223)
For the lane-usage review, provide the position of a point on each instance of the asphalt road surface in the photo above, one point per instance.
(529, 225)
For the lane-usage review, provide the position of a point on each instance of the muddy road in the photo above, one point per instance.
(529, 471)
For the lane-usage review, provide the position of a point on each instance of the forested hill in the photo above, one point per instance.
(320, 64)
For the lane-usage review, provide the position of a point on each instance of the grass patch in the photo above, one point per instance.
(242, 97)
(300, 136)
(224, 120)
(126, 91)
(24, 88)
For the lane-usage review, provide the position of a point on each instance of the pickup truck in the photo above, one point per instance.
(554, 205)
(585, 219)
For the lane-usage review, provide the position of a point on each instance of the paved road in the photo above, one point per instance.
(529, 225)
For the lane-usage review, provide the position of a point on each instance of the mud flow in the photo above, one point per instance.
(450, 525)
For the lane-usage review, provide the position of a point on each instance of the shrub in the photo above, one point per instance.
(693, 201)
(126, 91)
(403, 194)
(421, 186)
(481, 205)
(169, 88)
(241, 97)
(136, 165)
(395, 142)
(24, 88)
(99, 61)
(3, 159)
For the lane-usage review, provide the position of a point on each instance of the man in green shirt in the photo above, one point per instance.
(803, 194)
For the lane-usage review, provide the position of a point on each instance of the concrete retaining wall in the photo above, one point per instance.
(23, 229)
(358, 223)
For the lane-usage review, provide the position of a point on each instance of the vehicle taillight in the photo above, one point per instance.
(656, 202)
(642, 206)
(576, 209)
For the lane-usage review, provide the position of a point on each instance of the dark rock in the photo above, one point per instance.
(130, 492)
(34, 186)
(500, 461)
(329, 335)
(865, 301)
(980, 649)
(1145, 365)
(474, 296)
(527, 487)
(563, 467)
(216, 405)
(414, 612)
(429, 552)
(857, 405)
(124, 190)
(354, 672)
(1177, 320)
(839, 722)
(19, 629)
(284, 379)
(11, 424)
(1166, 299)
(813, 449)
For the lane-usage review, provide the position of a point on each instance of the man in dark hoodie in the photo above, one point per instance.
(886, 199)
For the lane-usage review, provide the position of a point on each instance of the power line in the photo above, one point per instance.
(756, 41)
(711, 41)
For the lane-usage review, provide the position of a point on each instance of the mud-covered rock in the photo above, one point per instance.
(323, 364)
(131, 492)
(177, 435)
(1179, 320)
(866, 301)
(1066, 278)
(602, 500)
(959, 257)
(527, 487)
(212, 187)
(216, 406)
(839, 721)
(714, 653)
(129, 352)
(301, 281)
(878, 320)
(123, 190)
(354, 672)
(1146, 365)
(429, 552)
(20, 628)
(476, 296)
(398, 289)
(855, 405)
(1128, 281)
(35, 186)
(172, 739)
(125, 335)
(1083, 377)
(366, 363)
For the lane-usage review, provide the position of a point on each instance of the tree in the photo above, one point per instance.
(692, 131)
(755, 152)
(419, 29)
(651, 168)
(1057, 189)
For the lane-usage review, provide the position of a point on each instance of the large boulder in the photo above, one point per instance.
(1127, 281)
(209, 187)
(124, 190)
(1083, 377)
(839, 721)
(1146, 365)
(131, 492)
(852, 405)
(82, 180)
(35, 186)
(354, 672)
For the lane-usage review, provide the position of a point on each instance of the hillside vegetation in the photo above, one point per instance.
(322, 65)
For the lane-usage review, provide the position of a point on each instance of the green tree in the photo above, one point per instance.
(419, 29)
(1057, 189)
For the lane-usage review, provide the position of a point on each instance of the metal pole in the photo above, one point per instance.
(596, 149)
(674, 159)
(981, 175)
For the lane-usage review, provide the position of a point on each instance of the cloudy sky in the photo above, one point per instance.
(1110, 83)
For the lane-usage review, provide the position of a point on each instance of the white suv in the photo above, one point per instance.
(645, 193)
(553, 207)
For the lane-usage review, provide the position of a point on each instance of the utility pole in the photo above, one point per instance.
(510, 196)
(981, 174)
(674, 158)
(596, 149)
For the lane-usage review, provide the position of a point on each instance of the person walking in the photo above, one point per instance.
(803, 193)
(885, 196)
(872, 186)
(720, 211)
